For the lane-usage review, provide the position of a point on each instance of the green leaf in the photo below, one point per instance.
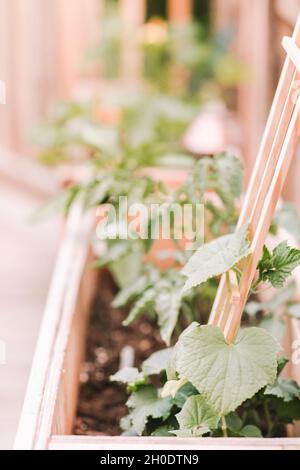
(97, 192)
(288, 218)
(277, 266)
(198, 416)
(113, 253)
(171, 387)
(189, 432)
(143, 304)
(222, 173)
(130, 376)
(167, 307)
(227, 374)
(286, 389)
(163, 431)
(229, 177)
(145, 404)
(130, 291)
(281, 363)
(186, 391)
(287, 412)
(172, 363)
(125, 423)
(251, 431)
(294, 310)
(127, 268)
(234, 422)
(216, 257)
(157, 362)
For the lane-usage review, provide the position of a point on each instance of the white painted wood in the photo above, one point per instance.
(292, 51)
(27, 253)
(27, 175)
(169, 443)
(37, 416)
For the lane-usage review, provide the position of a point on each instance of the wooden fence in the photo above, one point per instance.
(41, 42)
(259, 26)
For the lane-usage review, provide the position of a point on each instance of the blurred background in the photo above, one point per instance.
(75, 69)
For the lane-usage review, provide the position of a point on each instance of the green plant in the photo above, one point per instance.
(233, 389)
(179, 407)
(217, 183)
(183, 58)
(142, 132)
(205, 385)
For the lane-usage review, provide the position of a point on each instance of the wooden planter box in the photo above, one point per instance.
(50, 403)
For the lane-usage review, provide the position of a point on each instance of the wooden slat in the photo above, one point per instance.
(132, 13)
(264, 190)
(68, 389)
(180, 11)
(287, 10)
(41, 46)
(169, 443)
(292, 51)
(224, 14)
(255, 93)
(262, 229)
(77, 27)
(40, 401)
(6, 64)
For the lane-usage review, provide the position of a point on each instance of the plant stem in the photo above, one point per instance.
(224, 427)
(188, 313)
(227, 280)
(255, 285)
(268, 419)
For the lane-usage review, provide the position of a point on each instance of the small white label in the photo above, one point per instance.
(2, 92)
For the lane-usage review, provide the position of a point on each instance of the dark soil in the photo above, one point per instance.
(101, 402)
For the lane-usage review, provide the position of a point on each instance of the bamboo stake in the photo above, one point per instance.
(270, 171)
(262, 229)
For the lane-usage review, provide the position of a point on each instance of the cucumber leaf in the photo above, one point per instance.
(276, 267)
(227, 374)
(142, 305)
(157, 362)
(216, 257)
(145, 404)
(286, 389)
(197, 416)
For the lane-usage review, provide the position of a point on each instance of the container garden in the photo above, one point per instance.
(221, 370)
(49, 410)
